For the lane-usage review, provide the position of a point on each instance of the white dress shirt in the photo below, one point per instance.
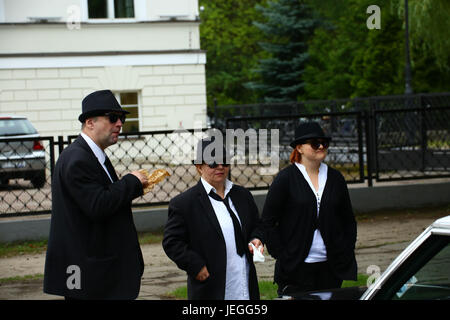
(237, 270)
(99, 153)
(317, 252)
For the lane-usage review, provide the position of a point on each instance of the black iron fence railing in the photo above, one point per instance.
(380, 145)
(412, 143)
(219, 113)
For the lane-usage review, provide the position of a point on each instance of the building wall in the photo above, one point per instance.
(47, 68)
(21, 10)
(95, 38)
(63, 10)
(169, 95)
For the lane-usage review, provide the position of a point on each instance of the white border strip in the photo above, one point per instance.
(102, 60)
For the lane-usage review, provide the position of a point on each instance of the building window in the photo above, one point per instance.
(110, 9)
(129, 102)
(123, 9)
(98, 9)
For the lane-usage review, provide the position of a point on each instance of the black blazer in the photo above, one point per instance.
(193, 239)
(92, 228)
(290, 219)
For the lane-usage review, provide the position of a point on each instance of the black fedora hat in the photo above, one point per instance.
(308, 130)
(98, 103)
(210, 150)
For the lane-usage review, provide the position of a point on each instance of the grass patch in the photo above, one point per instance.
(153, 237)
(179, 293)
(361, 281)
(38, 276)
(17, 248)
(11, 249)
(268, 290)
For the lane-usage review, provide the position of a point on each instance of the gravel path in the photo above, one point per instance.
(380, 239)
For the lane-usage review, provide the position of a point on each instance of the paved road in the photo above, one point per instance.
(380, 240)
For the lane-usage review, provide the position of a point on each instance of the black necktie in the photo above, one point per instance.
(111, 170)
(240, 246)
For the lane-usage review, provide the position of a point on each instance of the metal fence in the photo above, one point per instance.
(378, 145)
(346, 152)
(412, 143)
(25, 175)
(220, 113)
(172, 150)
(382, 145)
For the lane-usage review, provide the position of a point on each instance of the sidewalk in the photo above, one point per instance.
(380, 240)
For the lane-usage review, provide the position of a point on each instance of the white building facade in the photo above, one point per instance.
(55, 52)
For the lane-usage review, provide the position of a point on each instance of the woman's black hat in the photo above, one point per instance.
(98, 103)
(308, 130)
(210, 150)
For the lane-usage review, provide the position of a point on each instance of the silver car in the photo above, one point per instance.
(21, 154)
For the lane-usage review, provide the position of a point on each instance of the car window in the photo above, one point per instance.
(431, 282)
(12, 127)
(425, 275)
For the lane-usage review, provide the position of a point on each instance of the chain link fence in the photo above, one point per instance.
(170, 150)
(346, 151)
(401, 143)
(25, 174)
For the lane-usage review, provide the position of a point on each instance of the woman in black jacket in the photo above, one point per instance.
(208, 230)
(308, 219)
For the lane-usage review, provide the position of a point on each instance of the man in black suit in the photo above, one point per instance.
(208, 230)
(93, 250)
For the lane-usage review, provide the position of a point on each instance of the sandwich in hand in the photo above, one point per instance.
(153, 178)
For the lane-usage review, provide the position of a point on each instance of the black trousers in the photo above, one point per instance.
(310, 277)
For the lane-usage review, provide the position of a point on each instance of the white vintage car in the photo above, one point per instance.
(421, 271)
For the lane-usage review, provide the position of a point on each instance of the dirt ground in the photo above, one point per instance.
(381, 237)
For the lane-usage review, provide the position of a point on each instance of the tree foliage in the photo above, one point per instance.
(349, 60)
(333, 49)
(231, 40)
(287, 27)
(276, 50)
(429, 27)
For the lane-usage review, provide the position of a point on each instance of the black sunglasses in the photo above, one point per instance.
(215, 165)
(315, 143)
(113, 117)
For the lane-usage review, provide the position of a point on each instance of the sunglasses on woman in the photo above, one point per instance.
(315, 143)
(113, 117)
(215, 165)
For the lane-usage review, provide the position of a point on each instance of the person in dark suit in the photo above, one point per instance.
(208, 231)
(93, 250)
(308, 219)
